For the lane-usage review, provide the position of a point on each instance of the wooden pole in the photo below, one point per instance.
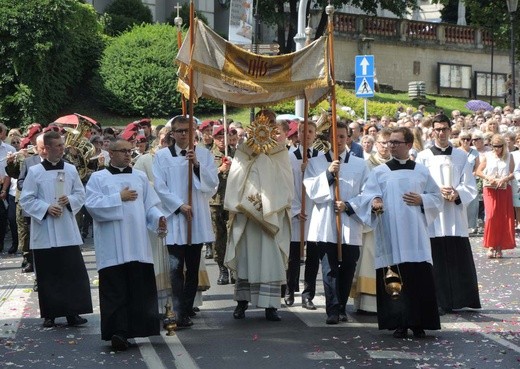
(190, 127)
(330, 28)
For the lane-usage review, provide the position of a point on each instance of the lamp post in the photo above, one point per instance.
(511, 7)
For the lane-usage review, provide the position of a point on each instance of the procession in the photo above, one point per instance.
(376, 228)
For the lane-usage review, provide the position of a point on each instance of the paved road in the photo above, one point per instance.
(489, 338)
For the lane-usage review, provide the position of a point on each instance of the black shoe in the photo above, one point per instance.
(192, 313)
(29, 268)
(418, 332)
(240, 310)
(272, 315)
(332, 319)
(184, 323)
(232, 277)
(12, 250)
(289, 299)
(308, 304)
(75, 320)
(48, 322)
(400, 333)
(24, 262)
(223, 277)
(209, 252)
(343, 317)
(119, 343)
(196, 309)
(35, 286)
(84, 235)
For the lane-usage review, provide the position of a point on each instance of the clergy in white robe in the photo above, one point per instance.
(453, 264)
(258, 197)
(170, 169)
(124, 206)
(411, 201)
(320, 184)
(312, 262)
(52, 194)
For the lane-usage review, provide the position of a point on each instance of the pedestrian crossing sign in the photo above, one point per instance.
(364, 86)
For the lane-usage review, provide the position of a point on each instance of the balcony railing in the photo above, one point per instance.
(408, 30)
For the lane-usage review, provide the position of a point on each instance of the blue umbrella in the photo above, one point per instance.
(475, 105)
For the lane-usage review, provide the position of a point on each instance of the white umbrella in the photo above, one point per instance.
(289, 117)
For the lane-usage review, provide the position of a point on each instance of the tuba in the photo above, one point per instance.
(322, 126)
(78, 149)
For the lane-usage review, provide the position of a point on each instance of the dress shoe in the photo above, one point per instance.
(196, 309)
(232, 277)
(119, 343)
(12, 250)
(418, 332)
(308, 304)
(29, 268)
(223, 277)
(240, 310)
(48, 322)
(184, 323)
(272, 315)
(400, 333)
(192, 313)
(332, 319)
(35, 286)
(444, 311)
(75, 320)
(24, 262)
(289, 299)
(343, 317)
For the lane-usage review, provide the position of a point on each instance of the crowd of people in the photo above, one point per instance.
(393, 196)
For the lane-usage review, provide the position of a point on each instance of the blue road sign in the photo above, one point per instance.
(364, 65)
(364, 86)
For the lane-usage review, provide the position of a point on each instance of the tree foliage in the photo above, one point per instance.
(48, 48)
(122, 15)
(289, 21)
(137, 74)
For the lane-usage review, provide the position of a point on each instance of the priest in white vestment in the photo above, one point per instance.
(170, 169)
(123, 206)
(52, 195)
(322, 175)
(258, 197)
(453, 264)
(410, 200)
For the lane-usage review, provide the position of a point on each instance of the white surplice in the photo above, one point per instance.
(120, 227)
(452, 220)
(352, 176)
(40, 190)
(401, 233)
(171, 184)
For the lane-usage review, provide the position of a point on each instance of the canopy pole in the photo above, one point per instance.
(190, 126)
(305, 159)
(224, 112)
(178, 22)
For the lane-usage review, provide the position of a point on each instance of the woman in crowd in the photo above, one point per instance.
(473, 159)
(496, 168)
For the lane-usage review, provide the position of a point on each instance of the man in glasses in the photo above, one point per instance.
(454, 268)
(171, 171)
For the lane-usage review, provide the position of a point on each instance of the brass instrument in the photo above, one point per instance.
(78, 149)
(322, 126)
(30, 150)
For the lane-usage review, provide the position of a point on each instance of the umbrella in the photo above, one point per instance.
(475, 105)
(289, 117)
(73, 119)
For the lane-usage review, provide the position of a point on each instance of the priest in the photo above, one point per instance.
(52, 194)
(123, 204)
(453, 264)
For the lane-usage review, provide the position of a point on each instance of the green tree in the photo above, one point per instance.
(122, 15)
(47, 51)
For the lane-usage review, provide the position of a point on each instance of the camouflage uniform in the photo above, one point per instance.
(219, 216)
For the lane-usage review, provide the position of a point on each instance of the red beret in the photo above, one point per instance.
(141, 139)
(134, 126)
(293, 128)
(25, 142)
(128, 135)
(34, 129)
(205, 124)
(145, 122)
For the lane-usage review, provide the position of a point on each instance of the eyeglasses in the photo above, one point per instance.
(476, 139)
(383, 143)
(123, 151)
(182, 131)
(395, 143)
(497, 146)
(465, 139)
(443, 130)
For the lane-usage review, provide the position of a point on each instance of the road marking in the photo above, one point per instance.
(150, 357)
(183, 360)
(323, 355)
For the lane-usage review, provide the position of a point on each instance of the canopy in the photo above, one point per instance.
(228, 73)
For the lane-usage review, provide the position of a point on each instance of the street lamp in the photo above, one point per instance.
(511, 7)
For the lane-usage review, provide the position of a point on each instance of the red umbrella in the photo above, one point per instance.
(73, 119)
